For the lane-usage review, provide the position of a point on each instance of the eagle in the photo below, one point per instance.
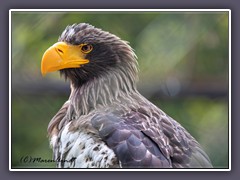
(106, 122)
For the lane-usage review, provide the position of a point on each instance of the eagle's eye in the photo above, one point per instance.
(86, 48)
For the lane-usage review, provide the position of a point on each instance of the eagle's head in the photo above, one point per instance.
(84, 53)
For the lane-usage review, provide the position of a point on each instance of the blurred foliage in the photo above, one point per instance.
(30, 118)
(175, 50)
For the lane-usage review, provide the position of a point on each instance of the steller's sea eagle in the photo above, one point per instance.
(106, 122)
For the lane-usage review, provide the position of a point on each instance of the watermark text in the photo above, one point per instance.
(30, 159)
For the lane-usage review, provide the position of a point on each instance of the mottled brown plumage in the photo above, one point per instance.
(106, 122)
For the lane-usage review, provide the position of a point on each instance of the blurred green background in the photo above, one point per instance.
(183, 60)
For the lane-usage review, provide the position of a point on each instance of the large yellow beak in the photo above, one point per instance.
(62, 56)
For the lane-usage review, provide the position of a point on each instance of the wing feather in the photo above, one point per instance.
(132, 147)
(149, 138)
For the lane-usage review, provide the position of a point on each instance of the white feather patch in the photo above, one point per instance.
(82, 149)
(53, 141)
(71, 32)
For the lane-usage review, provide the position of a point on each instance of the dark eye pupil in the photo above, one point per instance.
(85, 48)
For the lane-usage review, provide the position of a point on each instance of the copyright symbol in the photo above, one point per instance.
(24, 159)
